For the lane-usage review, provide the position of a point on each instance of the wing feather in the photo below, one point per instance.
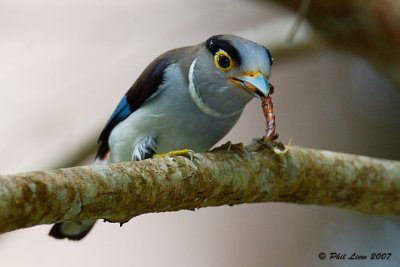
(144, 87)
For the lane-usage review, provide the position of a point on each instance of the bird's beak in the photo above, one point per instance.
(255, 84)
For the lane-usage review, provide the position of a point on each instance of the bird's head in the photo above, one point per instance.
(229, 71)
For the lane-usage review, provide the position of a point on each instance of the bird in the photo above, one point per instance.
(187, 98)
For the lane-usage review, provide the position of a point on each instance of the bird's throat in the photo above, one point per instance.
(203, 106)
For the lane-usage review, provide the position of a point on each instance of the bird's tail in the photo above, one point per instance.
(71, 230)
(74, 230)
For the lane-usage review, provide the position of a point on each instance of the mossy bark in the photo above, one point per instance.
(260, 173)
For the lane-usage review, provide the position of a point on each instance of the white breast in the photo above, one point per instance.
(173, 118)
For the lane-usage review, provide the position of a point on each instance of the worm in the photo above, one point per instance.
(268, 110)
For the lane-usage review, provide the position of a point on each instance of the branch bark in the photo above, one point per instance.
(260, 173)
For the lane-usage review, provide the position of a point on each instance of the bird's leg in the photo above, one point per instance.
(183, 152)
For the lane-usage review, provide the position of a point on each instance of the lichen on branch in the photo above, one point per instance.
(229, 175)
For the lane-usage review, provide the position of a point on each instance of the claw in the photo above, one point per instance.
(190, 154)
(279, 150)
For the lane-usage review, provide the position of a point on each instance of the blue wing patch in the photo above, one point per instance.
(120, 113)
(144, 87)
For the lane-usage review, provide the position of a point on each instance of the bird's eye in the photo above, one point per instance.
(223, 61)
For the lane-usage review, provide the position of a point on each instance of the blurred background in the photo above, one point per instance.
(64, 65)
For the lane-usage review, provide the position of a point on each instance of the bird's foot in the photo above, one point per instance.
(190, 154)
(239, 147)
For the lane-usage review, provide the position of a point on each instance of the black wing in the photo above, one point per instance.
(145, 86)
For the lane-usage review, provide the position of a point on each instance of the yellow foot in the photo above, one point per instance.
(175, 153)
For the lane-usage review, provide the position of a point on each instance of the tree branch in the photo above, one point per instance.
(368, 28)
(117, 192)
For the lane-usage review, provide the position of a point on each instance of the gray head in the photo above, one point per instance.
(229, 71)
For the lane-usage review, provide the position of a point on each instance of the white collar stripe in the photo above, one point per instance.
(200, 103)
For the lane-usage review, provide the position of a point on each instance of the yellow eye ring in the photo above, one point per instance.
(223, 61)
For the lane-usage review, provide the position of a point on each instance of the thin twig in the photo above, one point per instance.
(299, 19)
